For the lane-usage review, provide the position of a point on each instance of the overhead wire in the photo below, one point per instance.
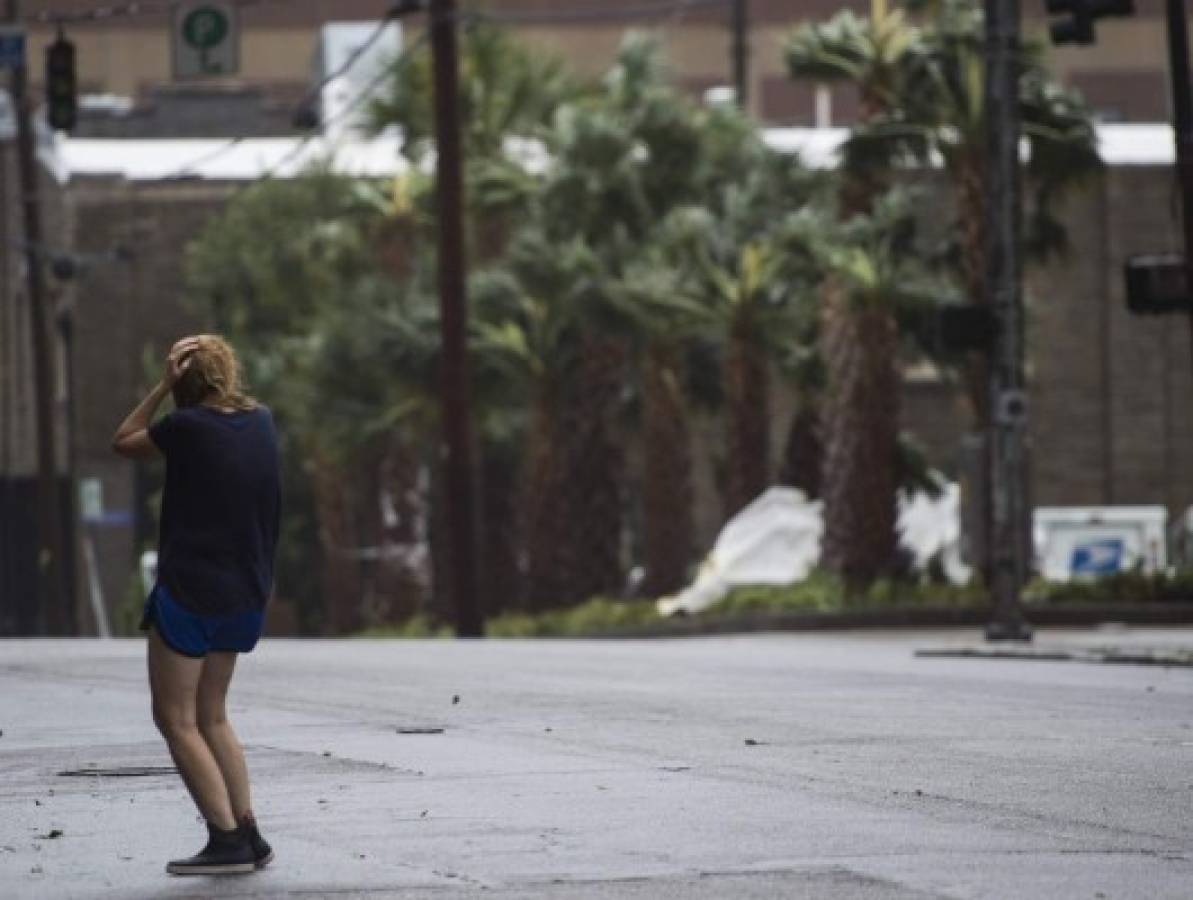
(308, 98)
(672, 10)
(363, 95)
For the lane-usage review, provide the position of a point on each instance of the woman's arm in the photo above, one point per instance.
(132, 437)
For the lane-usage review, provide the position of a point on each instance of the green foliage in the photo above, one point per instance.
(1126, 588)
(506, 91)
(819, 593)
(419, 625)
(636, 216)
(823, 593)
(587, 619)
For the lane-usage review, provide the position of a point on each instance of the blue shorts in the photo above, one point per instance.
(195, 635)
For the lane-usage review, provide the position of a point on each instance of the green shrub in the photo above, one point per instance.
(599, 615)
(420, 625)
(1125, 588)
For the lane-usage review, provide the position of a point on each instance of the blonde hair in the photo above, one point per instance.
(213, 375)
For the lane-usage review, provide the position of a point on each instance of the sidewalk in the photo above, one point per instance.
(1112, 645)
(829, 766)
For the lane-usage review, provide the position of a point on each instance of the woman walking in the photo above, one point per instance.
(219, 528)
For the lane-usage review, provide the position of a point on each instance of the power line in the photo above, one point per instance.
(364, 94)
(310, 96)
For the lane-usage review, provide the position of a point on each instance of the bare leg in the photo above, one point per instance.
(174, 683)
(217, 730)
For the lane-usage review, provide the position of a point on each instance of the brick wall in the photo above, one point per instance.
(126, 311)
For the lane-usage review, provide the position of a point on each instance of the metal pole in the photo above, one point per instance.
(51, 560)
(741, 53)
(456, 415)
(1004, 281)
(1182, 117)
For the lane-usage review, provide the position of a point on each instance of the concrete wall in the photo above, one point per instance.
(127, 316)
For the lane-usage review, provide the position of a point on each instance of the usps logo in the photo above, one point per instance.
(1104, 557)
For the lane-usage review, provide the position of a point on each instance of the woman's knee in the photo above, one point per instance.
(173, 721)
(211, 718)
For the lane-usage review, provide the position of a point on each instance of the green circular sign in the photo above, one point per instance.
(205, 27)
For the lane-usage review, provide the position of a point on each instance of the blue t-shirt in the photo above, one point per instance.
(220, 507)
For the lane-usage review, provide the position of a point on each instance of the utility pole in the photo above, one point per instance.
(741, 53)
(51, 558)
(453, 313)
(1008, 401)
(1182, 118)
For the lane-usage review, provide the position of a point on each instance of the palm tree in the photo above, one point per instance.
(871, 271)
(939, 117)
(923, 102)
(858, 439)
(508, 94)
(731, 250)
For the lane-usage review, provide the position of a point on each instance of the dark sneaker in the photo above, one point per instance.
(262, 852)
(226, 853)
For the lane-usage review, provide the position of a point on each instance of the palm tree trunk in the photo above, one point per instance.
(803, 452)
(860, 433)
(747, 392)
(499, 528)
(341, 576)
(543, 509)
(667, 525)
(594, 466)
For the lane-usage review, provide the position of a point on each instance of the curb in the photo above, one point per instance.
(1180, 657)
(914, 618)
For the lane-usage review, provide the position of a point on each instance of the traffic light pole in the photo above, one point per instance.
(1182, 117)
(1008, 475)
(51, 558)
(453, 323)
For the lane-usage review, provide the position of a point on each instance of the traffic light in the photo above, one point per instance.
(1078, 27)
(61, 85)
(1157, 284)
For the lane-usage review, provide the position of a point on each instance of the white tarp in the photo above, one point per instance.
(776, 540)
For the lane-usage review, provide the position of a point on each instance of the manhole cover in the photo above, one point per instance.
(120, 772)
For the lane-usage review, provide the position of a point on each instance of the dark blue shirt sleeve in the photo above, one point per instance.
(163, 433)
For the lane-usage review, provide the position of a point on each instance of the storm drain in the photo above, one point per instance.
(120, 772)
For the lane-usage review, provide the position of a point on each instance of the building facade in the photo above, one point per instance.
(1123, 75)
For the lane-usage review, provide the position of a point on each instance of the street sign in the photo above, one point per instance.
(12, 46)
(205, 39)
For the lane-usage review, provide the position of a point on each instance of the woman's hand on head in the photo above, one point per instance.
(178, 359)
